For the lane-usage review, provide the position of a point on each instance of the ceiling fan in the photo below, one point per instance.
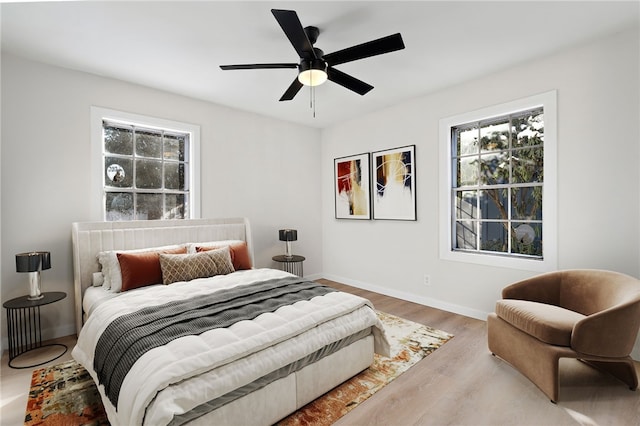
(315, 67)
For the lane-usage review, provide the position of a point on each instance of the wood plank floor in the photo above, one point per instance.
(459, 384)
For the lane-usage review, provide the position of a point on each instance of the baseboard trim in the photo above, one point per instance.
(314, 277)
(426, 301)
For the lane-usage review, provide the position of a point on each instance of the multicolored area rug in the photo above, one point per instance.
(65, 395)
(410, 342)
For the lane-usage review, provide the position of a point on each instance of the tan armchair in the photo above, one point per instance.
(591, 315)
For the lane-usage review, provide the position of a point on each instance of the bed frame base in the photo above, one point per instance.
(283, 397)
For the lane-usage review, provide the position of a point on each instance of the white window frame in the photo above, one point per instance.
(98, 114)
(549, 261)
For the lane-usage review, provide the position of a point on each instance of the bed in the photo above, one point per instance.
(243, 345)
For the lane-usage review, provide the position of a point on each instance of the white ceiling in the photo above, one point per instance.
(178, 46)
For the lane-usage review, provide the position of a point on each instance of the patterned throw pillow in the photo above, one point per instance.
(187, 267)
(239, 253)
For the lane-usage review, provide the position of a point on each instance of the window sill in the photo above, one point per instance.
(496, 260)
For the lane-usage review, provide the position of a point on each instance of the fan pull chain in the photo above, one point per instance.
(313, 91)
(312, 100)
(312, 96)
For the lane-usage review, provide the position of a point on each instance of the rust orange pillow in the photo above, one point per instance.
(142, 269)
(239, 254)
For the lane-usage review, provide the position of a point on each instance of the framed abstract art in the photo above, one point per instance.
(352, 187)
(394, 196)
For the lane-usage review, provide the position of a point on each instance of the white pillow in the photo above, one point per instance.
(97, 279)
(111, 266)
(107, 267)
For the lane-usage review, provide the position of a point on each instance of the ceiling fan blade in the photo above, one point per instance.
(351, 83)
(365, 50)
(257, 66)
(288, 20)
(292, 91)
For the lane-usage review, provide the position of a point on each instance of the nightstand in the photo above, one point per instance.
(25, 328)
(291, 264)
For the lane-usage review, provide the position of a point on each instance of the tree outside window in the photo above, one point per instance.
(497, 184)
(146, 172)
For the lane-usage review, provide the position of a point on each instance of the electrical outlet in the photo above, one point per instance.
(427, 279)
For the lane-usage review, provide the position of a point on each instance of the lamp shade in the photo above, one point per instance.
(312, 73)
(312, 77)
(288, 235)
(33, 261)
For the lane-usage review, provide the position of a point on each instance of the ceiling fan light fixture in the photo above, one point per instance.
(314, 64)
(313, 73)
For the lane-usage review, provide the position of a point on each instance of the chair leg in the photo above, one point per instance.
(623, 370)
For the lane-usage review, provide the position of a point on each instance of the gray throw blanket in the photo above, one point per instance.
(128, 337)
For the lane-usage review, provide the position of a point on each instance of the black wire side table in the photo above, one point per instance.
(25, 328)
(291, 264)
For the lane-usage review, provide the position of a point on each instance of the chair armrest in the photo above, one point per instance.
(609, 333)
(543, 288)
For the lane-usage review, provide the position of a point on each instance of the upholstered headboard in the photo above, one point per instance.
(90, 238)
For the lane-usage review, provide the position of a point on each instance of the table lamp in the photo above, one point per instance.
(33, 262)
(288, 235)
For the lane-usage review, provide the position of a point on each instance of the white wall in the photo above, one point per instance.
(264, 169)
(45, 175)
(598, 179)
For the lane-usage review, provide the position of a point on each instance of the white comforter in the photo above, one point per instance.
(221, 360)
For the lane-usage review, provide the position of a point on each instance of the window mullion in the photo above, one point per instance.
(135, 168)
(163, 189)
(509, 189)
(478, 221)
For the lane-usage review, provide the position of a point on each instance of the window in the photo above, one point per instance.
(148, 167)
(500, 188)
